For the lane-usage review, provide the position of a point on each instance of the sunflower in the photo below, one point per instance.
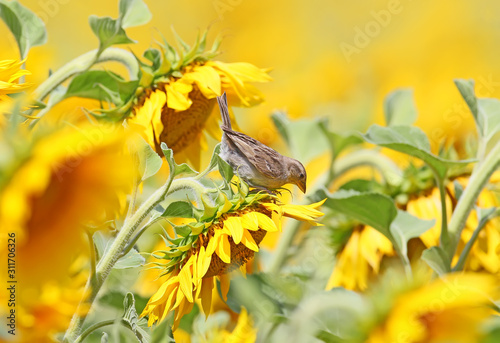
(360, 259)
(448, 309)
(223, 239)
(53, 183)
(178, 91)
(483, 255)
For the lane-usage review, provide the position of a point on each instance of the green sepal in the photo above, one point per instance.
(179, 209)
(197, 228)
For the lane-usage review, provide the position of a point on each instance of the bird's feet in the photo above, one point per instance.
(263, 189)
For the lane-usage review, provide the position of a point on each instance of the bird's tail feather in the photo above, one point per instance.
(224, 111)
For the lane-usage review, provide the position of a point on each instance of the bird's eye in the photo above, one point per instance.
(301, 175)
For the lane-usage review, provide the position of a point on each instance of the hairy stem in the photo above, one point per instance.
(445, 237)
(84, 62)
(284, 244)
(389, 171)
(96, 326)
(465, 253)
(121, 241)
(477, 181)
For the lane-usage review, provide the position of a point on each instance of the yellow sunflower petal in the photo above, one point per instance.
(248, 241)
(223, 249)
(212, 244)
(178, 95)
(186, 280)
(250, 221)
(225, 281)
(169, 303)
(266, 223)
(207, 80)
(206, 295)
(212, 125)
(147, 119)
(233, 224)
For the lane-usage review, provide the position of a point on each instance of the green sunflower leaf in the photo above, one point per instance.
(337, 141)
(162, 332)
(184, 169)
(101, 85)
(486, 112)
(373, 209)
(405, 227)
(108, 31)
(411, 141)
(399, 108)
(437, 259)
(169, 157)
(225, 170)
(300, 136)
(361, 185)
(176, 169)
(131, 260)
(149, 161)
(133, 13)
(132, 318)
(112, 31)
(28, 29)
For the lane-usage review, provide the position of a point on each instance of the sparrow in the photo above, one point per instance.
(259, 165)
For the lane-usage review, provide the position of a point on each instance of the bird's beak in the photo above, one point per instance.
(302, 186)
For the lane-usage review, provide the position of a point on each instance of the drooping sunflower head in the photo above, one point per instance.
(177, 92)
(225, 235)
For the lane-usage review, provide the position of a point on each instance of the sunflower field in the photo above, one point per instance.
(123, 220)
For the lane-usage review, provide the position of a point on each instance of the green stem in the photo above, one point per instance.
(84, 62)
(96, 326)
(112, 255)
(444, 237)
(477, 182)
(284, 244)
(465, 253)
(407, 266)
(92, 276)
(389, 171)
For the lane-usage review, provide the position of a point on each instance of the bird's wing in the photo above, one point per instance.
(266, 160)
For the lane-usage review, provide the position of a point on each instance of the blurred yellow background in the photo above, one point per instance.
(329, 58)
